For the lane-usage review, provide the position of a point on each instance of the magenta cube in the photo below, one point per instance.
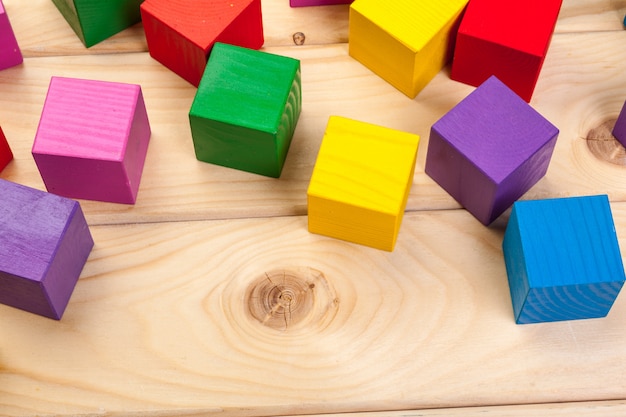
(92, 140)
(10, 54)
(489, 150)
(619, 130)
(44, 245)
(305, 3)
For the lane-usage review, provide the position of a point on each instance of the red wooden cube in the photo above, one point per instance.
(5, 152)
(180, 34)
(508, 39)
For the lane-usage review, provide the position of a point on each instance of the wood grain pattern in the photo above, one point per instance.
(619, 130)
(209, 295)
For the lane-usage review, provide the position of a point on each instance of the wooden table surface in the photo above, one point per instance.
(164, 319)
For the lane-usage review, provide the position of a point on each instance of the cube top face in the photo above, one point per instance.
(245, 87)
(495, 129)
(522, 25)
(31, 223)
(200, 21)
(413, 23)
(364, 165)
(569, 241)
(86, 119)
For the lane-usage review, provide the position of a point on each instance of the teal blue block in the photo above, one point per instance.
(246, 109)
(563, 259)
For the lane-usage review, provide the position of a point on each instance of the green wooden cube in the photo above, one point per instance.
(96, 20)
(246, 109)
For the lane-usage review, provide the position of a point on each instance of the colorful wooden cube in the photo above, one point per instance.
(44, 245)
(562, 259)
(181, 34)
(305, 3)
(97, 20)
(490, 149)
(246, 109)
(5, 151)
(508, 39)
(92, 139)
(405, 42)
(361, 182)
(10, 54)
(619, 130)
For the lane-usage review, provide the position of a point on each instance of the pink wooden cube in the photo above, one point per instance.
(92, 140)
(10, 54)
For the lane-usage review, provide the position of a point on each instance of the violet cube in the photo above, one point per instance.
(490, 149)
(44, 245)
(92, 139)
(619, 130)
(10, 54)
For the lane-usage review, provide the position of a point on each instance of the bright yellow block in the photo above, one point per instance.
(405, 42)
(361, 182)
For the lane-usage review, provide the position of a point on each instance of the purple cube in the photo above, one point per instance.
(490, 149)
(44, 244)
(619, 131)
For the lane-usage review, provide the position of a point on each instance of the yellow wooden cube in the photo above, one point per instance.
(361, 181)
(405, 42)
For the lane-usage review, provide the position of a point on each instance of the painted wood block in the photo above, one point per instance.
(5, 151)
(44, 245)
(10, 54)
(508, 39)
(619, 130)
(361, 182)
(92, 139)
(562, 259)
(246, 109)
(181, 33)
(305, 3)
(405, 42)
(490, 149)
(95, 20)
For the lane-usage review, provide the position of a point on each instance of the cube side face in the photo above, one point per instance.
(5, 151)
(87, 160)
(460, 177)
(381, 53)
(69, 13)
(619, 130)
(35, 227)
(351, 223)
(246, 109)
(181, 35)
(361, 181)
(514, 257)
(69, 259)
(101, 20)
(137, 147)
(475, 60)
(572, 258)
(10, 53)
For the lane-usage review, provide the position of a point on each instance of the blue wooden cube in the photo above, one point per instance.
(562, 259)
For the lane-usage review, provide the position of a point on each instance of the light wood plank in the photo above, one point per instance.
(175, 186)
(161, 323)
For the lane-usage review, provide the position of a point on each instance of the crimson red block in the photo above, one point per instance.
(181, 33)
(508, 39)
(5, 152)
